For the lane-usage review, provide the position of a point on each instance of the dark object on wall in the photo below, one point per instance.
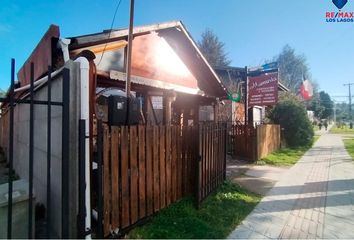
(112, 108)
(117, 111)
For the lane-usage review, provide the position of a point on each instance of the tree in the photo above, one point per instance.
(342, 113)
(315, 105)
(321, 104)
(290, 113)
(2, 93)
(292, 68)
(327, 105)
(213, 49)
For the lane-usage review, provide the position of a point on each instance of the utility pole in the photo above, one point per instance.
(129, 58)
(350, 99)
(246, 97)
(335, 116)
(129, 54)
(334, 112)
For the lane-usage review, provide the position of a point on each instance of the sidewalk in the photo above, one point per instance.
(313, 199)
(323, 130)
(255, 178)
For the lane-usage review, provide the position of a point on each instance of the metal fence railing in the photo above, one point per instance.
(9, 103)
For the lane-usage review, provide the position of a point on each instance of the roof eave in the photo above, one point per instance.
(114, 34)
(202, 56)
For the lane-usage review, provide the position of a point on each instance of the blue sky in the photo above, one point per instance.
(252, 30)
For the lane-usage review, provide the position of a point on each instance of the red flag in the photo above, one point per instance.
(306, 90)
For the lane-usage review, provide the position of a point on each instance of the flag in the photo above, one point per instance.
(306, 90)
(235, 97)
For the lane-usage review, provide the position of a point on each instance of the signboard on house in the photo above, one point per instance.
(157, 102)
(263, 89)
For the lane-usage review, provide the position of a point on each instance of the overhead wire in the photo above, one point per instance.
(110, 30)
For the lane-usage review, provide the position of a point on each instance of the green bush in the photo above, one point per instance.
(291, 114)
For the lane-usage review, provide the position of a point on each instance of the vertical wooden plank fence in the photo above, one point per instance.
(268, 139)
(168, 166)
(243, 141)
(253, 143)
(147, 168)
(125, 177)
(142, 172)
(134, 174)
(211, 165)
(156, 169)
(162, 138)
(149, 177)
(106, 178)
(115, 176)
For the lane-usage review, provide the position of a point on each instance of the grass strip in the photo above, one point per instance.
(349, 146)
(344, 130)
(218, 215)
(286, 156)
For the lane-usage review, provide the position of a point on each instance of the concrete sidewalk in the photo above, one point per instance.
(255, 178)
(314, 198)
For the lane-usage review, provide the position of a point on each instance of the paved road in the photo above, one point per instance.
(314, 199)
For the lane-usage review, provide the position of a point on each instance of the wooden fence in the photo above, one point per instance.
(146, 168)
(253, 143)
(268, 139)
(243, 141)
(212, 159)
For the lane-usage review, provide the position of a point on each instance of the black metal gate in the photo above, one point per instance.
(211, 167)
(10, 102)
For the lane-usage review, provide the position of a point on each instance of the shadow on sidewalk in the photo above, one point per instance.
(315, 187)
(255, 178)
(305, 203)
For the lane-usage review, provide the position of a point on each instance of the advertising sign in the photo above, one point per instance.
(263, 90)
(270, 66)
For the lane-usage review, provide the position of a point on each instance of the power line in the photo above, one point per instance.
(339, 96)
(350, 99)
(110, 30)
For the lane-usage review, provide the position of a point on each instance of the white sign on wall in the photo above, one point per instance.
(157, 102)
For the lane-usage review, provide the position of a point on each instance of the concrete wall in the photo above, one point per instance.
(21, 147)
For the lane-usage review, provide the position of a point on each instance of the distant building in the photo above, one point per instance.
(311, 116)
(234, 79)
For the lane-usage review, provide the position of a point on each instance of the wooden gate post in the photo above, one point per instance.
(225, 143)
(256, 139)
(198, 174)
